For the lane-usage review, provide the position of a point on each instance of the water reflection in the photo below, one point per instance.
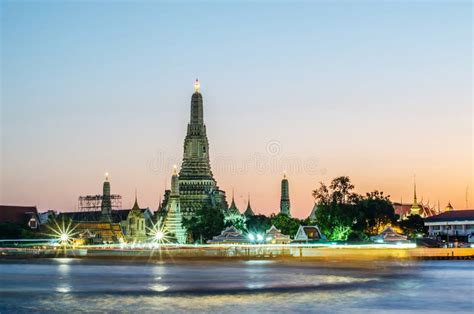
(82, 285)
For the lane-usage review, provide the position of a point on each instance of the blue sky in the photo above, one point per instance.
(375, 90)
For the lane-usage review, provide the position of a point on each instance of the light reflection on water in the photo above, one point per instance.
(230, 286)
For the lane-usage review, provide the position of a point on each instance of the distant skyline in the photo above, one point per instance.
(377, 91)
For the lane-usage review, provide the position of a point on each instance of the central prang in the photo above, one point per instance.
(197, 186)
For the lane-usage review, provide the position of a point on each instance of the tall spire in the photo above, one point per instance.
(135, 205)
(197, 186)
(196, 164)
(285, 196)
(414, 190)
(106, 205)
(233, 208)
(173, 219)
(175, 182)
(249, 211)
(197, 107)
(415, 208)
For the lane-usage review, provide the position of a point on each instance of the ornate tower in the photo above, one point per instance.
(415, 208)
(173, 219)
(197, 187)
(285, 197)
(106, 206)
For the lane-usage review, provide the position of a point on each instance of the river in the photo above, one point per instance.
(81, 285)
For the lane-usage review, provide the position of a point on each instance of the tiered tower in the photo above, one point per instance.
(106, 206)
(285, 197)
(197, 187)
(173, 220)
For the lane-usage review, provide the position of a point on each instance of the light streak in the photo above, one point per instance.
(62, 232)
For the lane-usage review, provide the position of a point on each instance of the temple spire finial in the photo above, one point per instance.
(415, 208)
(197, 86)
(414, 190)
(107, 176)
(175, 170)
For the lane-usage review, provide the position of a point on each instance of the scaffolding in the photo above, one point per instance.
(89, 203)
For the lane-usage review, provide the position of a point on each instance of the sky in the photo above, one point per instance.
(379, 91)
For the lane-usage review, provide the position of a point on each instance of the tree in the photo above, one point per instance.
(335, 211)
(236, 220)
(11, 230)
(374, 212)
(207, 222)
(286, 224)
(413, 225)
(258, 223)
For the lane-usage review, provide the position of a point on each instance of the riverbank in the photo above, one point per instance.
(245, 253)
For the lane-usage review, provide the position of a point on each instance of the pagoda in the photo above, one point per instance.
(285, 197)
(173, 219)
(106, 205)
(197, 186)
(415, 208)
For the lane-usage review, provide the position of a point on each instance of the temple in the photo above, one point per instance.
(415, 208)
(136, 224)
(173, 219)
(109, 225)
(285, 197)
(106, 206)
(197, 186)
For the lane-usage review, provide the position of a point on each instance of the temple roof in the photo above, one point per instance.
(117, 215)
(466, 214)
(229, 235)
(17, 214)
(249, 211)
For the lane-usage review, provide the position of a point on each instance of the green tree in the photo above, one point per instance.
(336, 210)
(258, 223)
(413, 226)
(373, 212)
(286, 224)
(207, 222)
(10, 230)
(236, 220)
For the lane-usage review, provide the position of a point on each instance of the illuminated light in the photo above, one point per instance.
(259, 237)
(159, 235)
(159, 288)
(251, 237)
(63, 234)
(268, 239)
(197, 86)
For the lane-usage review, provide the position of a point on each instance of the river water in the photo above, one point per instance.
(77, 285)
